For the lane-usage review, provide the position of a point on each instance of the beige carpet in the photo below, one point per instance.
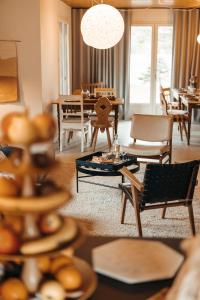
(99, 209)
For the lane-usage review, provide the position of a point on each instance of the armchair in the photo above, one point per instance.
(164, 185)
(152, 137)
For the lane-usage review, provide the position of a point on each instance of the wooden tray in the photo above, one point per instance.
(36, 204)
(73, 244)
(86, 162)
(89, 278)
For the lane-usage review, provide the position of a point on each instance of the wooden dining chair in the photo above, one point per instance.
(72, 119)
(104, 92)
(164, 185)
(102, 108)
(179, 116)
(167, 95)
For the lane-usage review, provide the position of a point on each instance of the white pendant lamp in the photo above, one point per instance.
(102, 26)
(198, 38)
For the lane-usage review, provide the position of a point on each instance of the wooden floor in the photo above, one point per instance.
(180, 150)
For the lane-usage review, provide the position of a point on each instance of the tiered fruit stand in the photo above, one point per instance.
(35, 208)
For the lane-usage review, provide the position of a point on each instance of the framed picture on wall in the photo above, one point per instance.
(9, 91)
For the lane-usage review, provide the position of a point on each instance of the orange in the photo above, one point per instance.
(8, 187)
(60, 262)
(9, 242)
(14, 289)
(70, 278)
(15, 222)
(44, 263)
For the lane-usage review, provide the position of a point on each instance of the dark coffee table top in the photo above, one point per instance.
(110, 289)
(86, 165)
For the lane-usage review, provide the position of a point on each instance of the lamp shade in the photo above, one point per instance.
(102, 26)
(198, 38)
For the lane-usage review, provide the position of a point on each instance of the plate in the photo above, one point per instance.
(35, 204)
(89, 278)
(136, 261)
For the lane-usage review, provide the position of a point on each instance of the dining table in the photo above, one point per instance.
(110, 288)
(187, 100)
(89, 104)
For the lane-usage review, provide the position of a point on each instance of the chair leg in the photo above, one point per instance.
(70, 136)
(164, 212)
(170, 157)
(86, 135)
(124, 202)
(137, 211)
(191, 217)
(113, 132)
(138, 221)
(181, 132)
(95, 138)
(62, 137)
(82, 140)
(91, 131)
(185, 129)
(92, 137)
(108, 138)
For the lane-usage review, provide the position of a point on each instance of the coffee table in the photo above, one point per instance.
(86, 166)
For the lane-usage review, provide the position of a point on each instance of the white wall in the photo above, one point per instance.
(52, 11)
(19, 20)
(35, 24)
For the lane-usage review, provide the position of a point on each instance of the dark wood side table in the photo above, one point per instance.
(110, 289)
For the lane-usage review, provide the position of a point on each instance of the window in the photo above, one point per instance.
(141, 39)
(151, 57)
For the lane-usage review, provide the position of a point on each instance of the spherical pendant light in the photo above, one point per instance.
(198, 38)
(102, 26)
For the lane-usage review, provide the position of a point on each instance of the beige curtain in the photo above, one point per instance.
(110, 66)
(186, 50)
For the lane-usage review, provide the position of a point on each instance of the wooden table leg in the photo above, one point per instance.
(116, 118)
(179, 102)
(189, 123)
(77, 190)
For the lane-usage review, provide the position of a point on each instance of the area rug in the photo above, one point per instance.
(99, 209)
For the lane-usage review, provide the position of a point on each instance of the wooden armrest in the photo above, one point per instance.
(133, 180)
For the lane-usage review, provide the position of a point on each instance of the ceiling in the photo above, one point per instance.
(137, 3)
